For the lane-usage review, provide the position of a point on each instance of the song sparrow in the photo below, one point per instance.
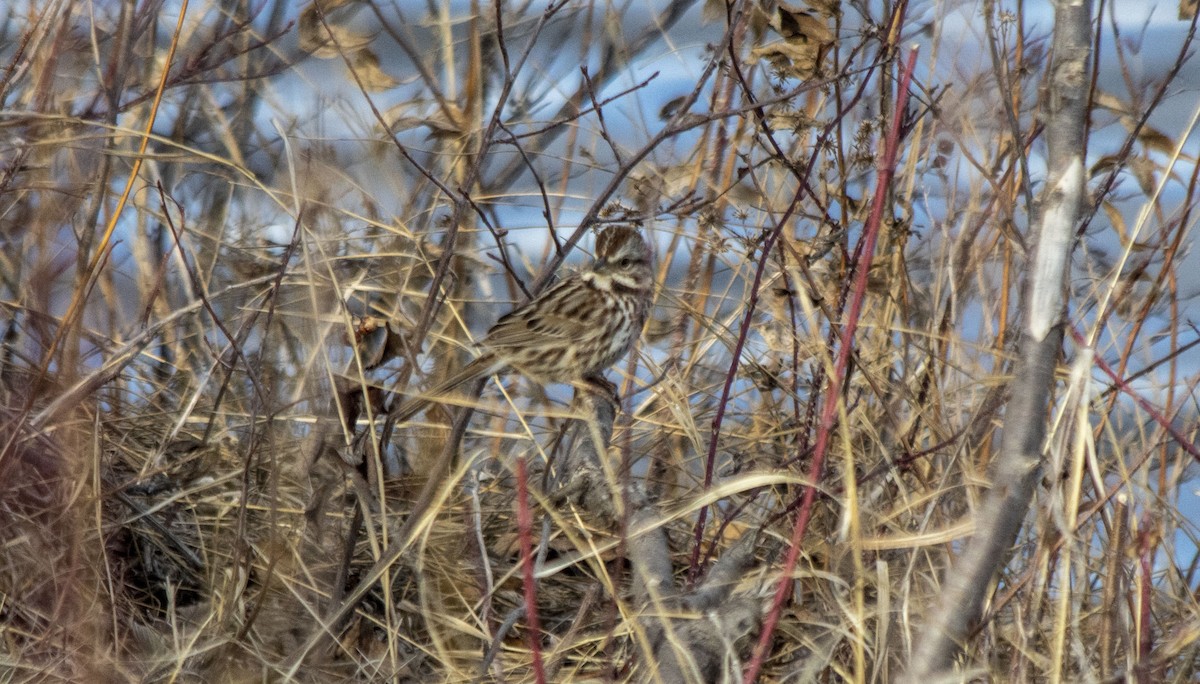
(574, 330)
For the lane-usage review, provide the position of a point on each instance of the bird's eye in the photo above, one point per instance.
(626, 262)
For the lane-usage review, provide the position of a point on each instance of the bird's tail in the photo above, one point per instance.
(481, 367)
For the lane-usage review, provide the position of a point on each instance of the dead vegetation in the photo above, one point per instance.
(217, 278)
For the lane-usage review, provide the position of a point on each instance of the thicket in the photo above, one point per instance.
(919, 363)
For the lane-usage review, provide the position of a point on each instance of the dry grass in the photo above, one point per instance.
(196, 470)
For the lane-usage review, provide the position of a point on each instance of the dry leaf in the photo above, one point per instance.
(1155, 139)
(798, 61)
(1111, 102)
(671, 108)
(1103, 165)
(1117, 221)
(790, 120)
(826, 8)
(799, 27)
(406, 115)
(325, 43)
(806, 38)
(366, 66)
(445, 125)
(1143, 170)
(405, 123)
(1151, 138)
(1118, 224)
(713, 11)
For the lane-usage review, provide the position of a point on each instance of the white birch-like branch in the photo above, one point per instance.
(1017, 466)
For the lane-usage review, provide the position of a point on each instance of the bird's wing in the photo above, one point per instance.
(557, 314)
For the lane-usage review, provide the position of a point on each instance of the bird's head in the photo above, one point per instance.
(624, 258)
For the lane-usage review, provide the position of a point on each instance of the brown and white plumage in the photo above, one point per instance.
(575, 329)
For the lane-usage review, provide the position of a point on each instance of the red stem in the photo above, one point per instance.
(1163, 421)
(845, 348)
(1145, 637)
(524, 534)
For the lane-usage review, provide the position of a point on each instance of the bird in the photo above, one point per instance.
(572, 331)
